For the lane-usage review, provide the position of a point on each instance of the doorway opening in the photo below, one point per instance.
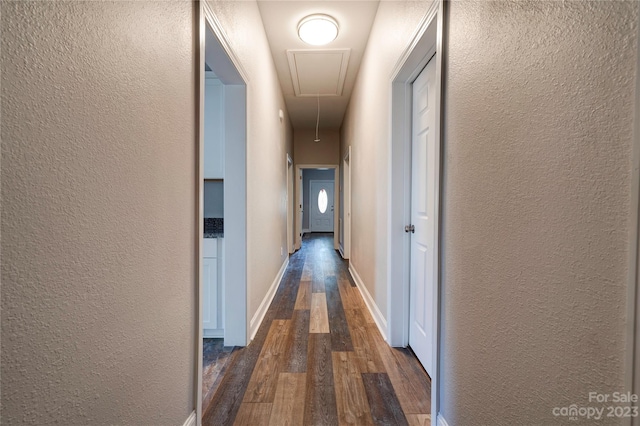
(345, 206)
(404, 265)
(290, 204)
(317, 202)
(316, 205)
(221, 278)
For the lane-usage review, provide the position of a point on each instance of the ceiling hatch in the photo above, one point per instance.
(318, 71)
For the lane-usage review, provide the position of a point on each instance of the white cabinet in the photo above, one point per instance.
(212, 287)
(209, 293)
(213, 129)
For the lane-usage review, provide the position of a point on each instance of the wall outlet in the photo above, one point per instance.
(281, 250)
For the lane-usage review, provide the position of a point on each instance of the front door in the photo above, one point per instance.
(321, 205)
(423, 213)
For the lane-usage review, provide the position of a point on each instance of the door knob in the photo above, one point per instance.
(410, 228)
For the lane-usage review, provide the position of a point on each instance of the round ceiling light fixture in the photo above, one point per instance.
(318, 29)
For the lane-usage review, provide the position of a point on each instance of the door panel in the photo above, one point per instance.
(321, 215)
(210, 293)
(423, 205)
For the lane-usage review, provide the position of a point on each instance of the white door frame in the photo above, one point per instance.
(298, 209)
(345, 249)
(235, 267)
(426, 42)
(290, 204)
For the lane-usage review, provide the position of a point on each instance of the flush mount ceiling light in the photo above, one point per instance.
(318, 29)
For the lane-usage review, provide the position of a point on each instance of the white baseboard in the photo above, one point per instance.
(441, 421)
(371, 304)
(306, 231)
(191, 420)
(264, 305)
(341, 250)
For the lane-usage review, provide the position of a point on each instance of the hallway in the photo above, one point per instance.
(318, 357)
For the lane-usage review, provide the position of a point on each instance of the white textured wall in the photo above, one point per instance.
(366, 129)
(538, 141)
(268, 142)
(98, 201)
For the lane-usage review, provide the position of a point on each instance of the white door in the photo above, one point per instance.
(321, 205)
(423, 213)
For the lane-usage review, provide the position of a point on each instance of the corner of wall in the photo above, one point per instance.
(192, 420)
(441, 421)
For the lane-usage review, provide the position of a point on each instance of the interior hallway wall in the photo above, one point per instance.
(306, 151)
(366, 129)
(268, 143)
(538, 120)
(537, 206)
(98, 202)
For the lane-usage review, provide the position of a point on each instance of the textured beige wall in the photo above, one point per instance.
(366, 129)
(538, 124)
(268, 142)
(98, 199)
(306, 151)
(537, 167)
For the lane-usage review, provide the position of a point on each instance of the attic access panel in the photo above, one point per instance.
(318, 71)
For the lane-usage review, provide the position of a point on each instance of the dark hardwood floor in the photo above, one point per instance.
(318, 358)
(214, 364)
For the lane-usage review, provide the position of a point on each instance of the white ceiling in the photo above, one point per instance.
(317, 69)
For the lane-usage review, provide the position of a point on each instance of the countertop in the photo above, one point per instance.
(213, 227)
(213, 234)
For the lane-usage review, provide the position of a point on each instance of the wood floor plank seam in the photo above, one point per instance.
(351, 398)
(295, 356)
(253, 413)
(366, 353)
(287, 292)
(385, 407)
(320, 402)
(319, 320)
(412, 386)
(303, 299)
(289, 397)
(340, 335)
(262, 385)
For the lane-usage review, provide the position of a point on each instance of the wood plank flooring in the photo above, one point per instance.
(318, 358)
(215, 359)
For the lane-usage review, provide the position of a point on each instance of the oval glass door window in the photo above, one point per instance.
(322, 201)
